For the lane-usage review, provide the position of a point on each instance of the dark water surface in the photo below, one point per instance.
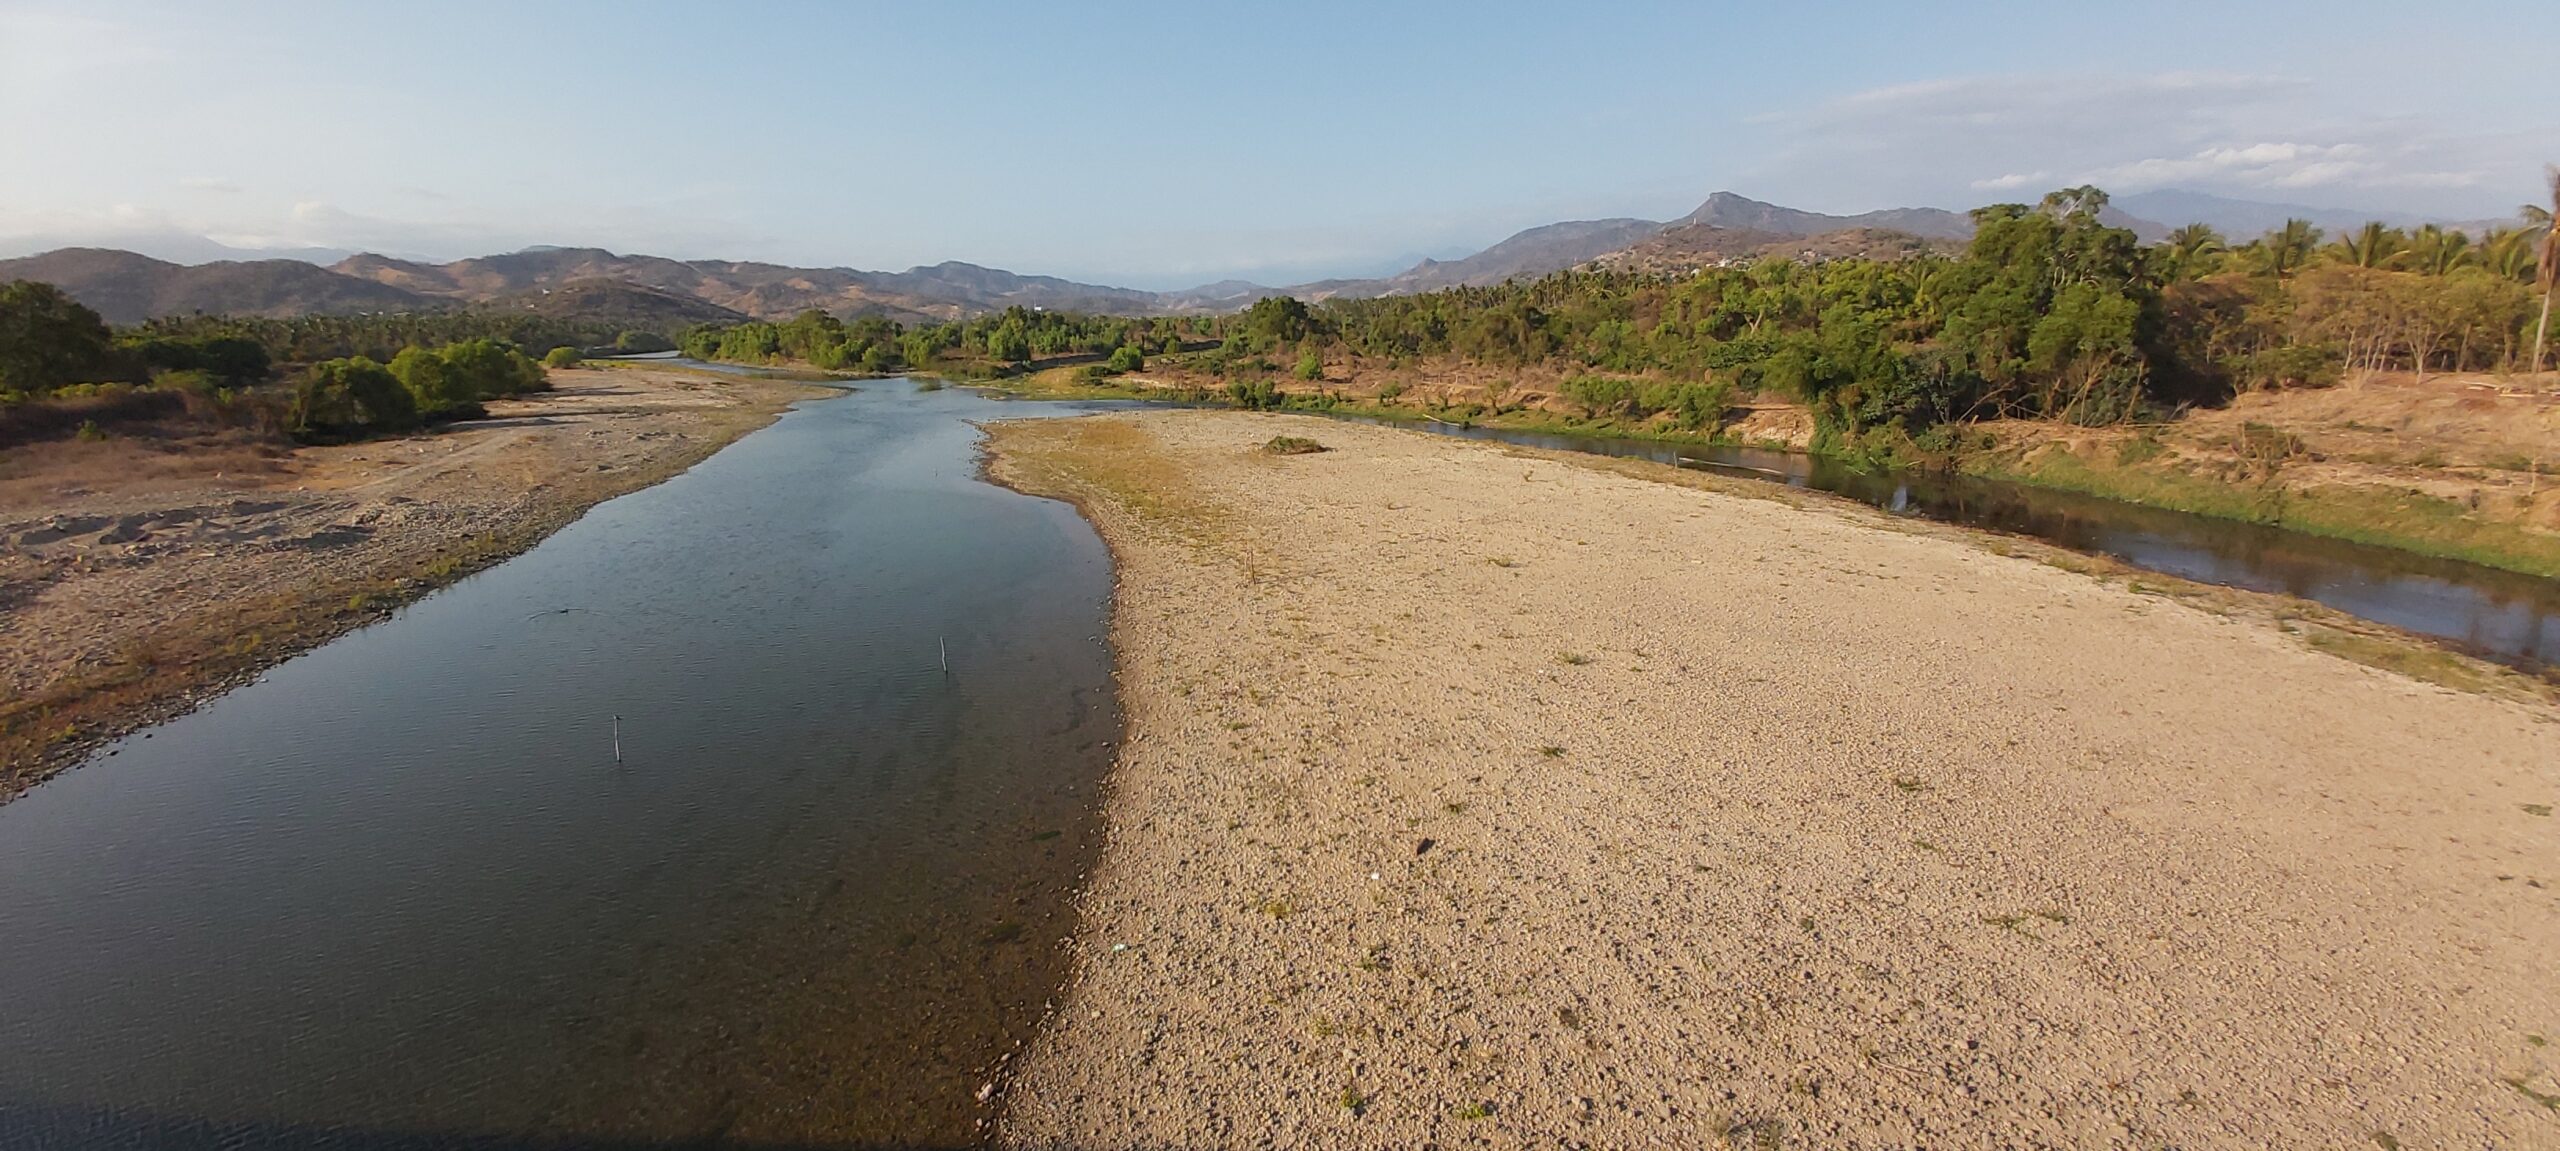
(399, 893)
(2502, 615)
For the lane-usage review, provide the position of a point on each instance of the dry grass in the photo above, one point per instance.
(1078, 460)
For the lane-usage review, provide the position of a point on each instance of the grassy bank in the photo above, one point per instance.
(2196, 477)
(2384, 516)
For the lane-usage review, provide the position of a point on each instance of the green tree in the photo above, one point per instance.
(2437, 252)
(563, 356)
(1310, 365)
(1009, 343)
(48, 339)
(2372, 246)
(349, 397)
(1127, 358)
(2194, 250)
(435, 389)
(2283, 251)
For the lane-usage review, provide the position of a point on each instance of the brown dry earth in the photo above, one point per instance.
(1478, 797)
(137, 577)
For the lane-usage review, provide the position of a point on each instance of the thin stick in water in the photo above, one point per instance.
(617, 739)
(945, 645)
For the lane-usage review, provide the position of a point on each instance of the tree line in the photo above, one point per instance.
(2048, 312)
(53, 347)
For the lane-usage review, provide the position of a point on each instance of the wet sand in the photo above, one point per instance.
(1478, 797)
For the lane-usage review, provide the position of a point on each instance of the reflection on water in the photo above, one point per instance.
(2500, 614)
(400, 889)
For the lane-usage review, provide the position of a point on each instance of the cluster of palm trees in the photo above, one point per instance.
(2529, 253)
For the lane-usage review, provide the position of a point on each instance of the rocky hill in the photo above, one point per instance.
(127, 289)
(1684, 248)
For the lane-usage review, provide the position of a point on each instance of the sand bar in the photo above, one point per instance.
(1479, 797)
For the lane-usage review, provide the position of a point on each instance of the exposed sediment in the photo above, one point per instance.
(1480, 796)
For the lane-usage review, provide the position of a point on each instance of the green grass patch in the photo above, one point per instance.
(2394, 518)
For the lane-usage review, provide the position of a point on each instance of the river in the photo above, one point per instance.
(402, 892)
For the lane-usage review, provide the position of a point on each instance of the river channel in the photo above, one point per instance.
(422, 887)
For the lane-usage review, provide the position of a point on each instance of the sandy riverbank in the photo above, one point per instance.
(1473, 796)
(136, 577)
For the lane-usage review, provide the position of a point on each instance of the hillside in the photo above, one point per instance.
(127, 289)
(1727, 210)
(1526, 255)
(1684, 248)
(619, 305)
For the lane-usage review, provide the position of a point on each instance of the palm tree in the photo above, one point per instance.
(2371, 246)
(2508, 252)
(2192, 249)
(2546, 254)
(2439, 252)
(2287, 248)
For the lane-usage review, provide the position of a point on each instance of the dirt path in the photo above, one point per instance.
(135, 579)
(1486, 798)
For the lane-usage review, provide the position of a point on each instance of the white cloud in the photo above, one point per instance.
(2012, 181)
(2235, 134)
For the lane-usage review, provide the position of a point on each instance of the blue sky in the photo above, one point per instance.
(1160, 145)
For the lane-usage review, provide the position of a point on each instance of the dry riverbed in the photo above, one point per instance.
(1477, 796)
(138, 576)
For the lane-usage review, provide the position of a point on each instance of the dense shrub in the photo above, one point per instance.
(348, 398)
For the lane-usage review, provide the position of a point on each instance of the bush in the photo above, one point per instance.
(1258, 395)
(433, 387)
(1127, 358)
(351, 397)
(488, 368)
(1310, 365)
(2294, 366)
(1292, 446)
(1600, 395)
(563, 356)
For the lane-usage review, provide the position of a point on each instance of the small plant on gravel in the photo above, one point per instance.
(1910, 784)
(1474, 1111)
(1353, 1101)
(1551, 751)
(2548, 1102)
(1501, 561)
(1292, 446)
(1277, 908)
(1574, 658)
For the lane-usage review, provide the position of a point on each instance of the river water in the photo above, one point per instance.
(400, 892)
(2501, 615)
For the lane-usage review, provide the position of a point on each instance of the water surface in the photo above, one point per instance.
(399, 892)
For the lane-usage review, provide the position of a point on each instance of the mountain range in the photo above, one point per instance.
(126, 287)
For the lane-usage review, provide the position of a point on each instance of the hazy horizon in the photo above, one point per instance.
(1152, 146)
